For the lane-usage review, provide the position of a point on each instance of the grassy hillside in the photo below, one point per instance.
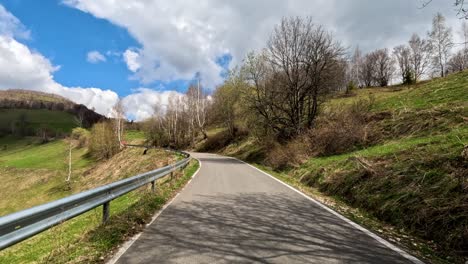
(26, 95)
(31, 121)
(409, 174)
(30, 113)
(33, 173)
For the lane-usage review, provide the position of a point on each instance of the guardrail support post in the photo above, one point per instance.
(152, 186)
(105, 211)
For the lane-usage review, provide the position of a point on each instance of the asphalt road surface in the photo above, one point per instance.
(233, 213)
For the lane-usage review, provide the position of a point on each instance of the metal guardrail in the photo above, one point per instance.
(21, 225)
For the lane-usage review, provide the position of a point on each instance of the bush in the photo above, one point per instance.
(339, 130)
(409, 78)
(103, 141)
(350, 87)
(285, 156)
(81, 135)
(216, 142)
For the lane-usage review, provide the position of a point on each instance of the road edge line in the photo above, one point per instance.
(126, 245)
(350, 222)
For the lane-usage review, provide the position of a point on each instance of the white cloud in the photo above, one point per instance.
(22, 68)
(140, 105)
(131, 59)
(180, 38)
(11, 26)
(95, 56)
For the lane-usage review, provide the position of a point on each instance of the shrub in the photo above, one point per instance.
(409, 78)
(216, 142)
(285, 156)
(81, 135)
(339, 130)
(350, 87)
(103, 141)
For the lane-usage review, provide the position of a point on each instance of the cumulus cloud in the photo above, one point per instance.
(180, 38)
(11, 26)
(140, 105)
(22, 68)
(95, 56)
(131, 59)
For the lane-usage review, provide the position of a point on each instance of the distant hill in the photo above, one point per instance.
(32, 113)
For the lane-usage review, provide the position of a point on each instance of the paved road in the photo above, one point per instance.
(232, 213)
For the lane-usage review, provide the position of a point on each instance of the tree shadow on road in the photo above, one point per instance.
(254, 227)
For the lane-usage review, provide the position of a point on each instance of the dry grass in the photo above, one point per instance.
(26, 95)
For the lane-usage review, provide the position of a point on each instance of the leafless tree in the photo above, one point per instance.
(198, 104)
(119, 116)
(441, 42)
(290, 76)
(457, 62)
(420, 56)
(459, 4)
(384, 66)
(367, 71)
(403, 58)
(464, 33)
(356, 64)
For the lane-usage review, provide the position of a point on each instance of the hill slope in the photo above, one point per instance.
(28, 113)
(410, 169)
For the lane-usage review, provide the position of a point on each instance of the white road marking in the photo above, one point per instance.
(130, 242)
(364, 230)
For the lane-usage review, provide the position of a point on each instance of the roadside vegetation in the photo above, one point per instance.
(397, 159)
(35, 171)
(329, 120)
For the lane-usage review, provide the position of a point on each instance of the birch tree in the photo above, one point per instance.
(198, 102)
(356, 62)
(420, 56)
(119, 115)
(403, 57)
(441, 43)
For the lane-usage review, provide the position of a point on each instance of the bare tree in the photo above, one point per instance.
(457, 62)
(356, 64)
(297, 67)
(419, 56)
(403, 57)
(462, 12)
(441, 42)
(198, 102)
(119, 115)
(384, 66)
(367, 70)
(69, 160)
(464, 33)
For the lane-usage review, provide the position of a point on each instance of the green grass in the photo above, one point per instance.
(134, 136)
(449, 92)
(57, 121)
(85, 239)
(34, 173)
(408, 177)
(29, 153)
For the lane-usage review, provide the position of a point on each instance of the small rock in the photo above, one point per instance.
(464, 153)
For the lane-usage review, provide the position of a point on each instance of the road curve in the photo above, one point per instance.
(233, 213)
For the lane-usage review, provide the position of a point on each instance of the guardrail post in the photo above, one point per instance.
(105, 211)
(152, 186)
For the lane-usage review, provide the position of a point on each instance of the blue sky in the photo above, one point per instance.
(145, 48)
(65, 36)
